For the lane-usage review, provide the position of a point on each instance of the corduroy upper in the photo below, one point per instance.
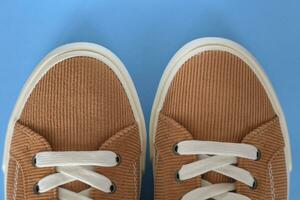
(79, 105)
(215, 96)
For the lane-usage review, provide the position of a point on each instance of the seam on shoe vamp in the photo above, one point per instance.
(270, 174)
(135, 179)
(33, 138)
(261, 129)
(16, 178)
(123, 131)
(20, 173)
(271, 179)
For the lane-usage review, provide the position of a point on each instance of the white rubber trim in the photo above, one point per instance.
(205, 44)
(68, 51)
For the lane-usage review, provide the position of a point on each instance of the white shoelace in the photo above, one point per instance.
(224, 157)
(75, 166)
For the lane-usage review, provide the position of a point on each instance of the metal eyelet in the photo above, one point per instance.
(113, 188)
(258, 155)
(175, 149)
(36, 189)
(33, 161)
(255, 184)
(118, 159)
(177, 177)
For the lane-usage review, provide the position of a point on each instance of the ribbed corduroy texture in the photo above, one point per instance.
(77, 106)
(22, 175)
(216, 97)
(15, 185)
(167, 163)
(270, 170)
(127, 174)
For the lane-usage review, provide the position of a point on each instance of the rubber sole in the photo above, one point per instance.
(205, 44)
(69, 51)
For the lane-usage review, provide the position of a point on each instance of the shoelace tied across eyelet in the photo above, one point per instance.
(219, 157)
(75, 166)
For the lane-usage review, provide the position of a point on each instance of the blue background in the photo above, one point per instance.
(145, 35)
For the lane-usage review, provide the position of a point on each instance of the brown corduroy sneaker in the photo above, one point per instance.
(217, 128)
(77, 131)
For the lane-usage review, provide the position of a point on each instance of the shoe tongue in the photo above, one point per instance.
(116, 144)
(218, 135)
(252, 137)
(218, 131)
(214, 177)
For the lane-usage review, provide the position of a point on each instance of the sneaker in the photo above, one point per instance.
(217, 128)
(77, 131)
